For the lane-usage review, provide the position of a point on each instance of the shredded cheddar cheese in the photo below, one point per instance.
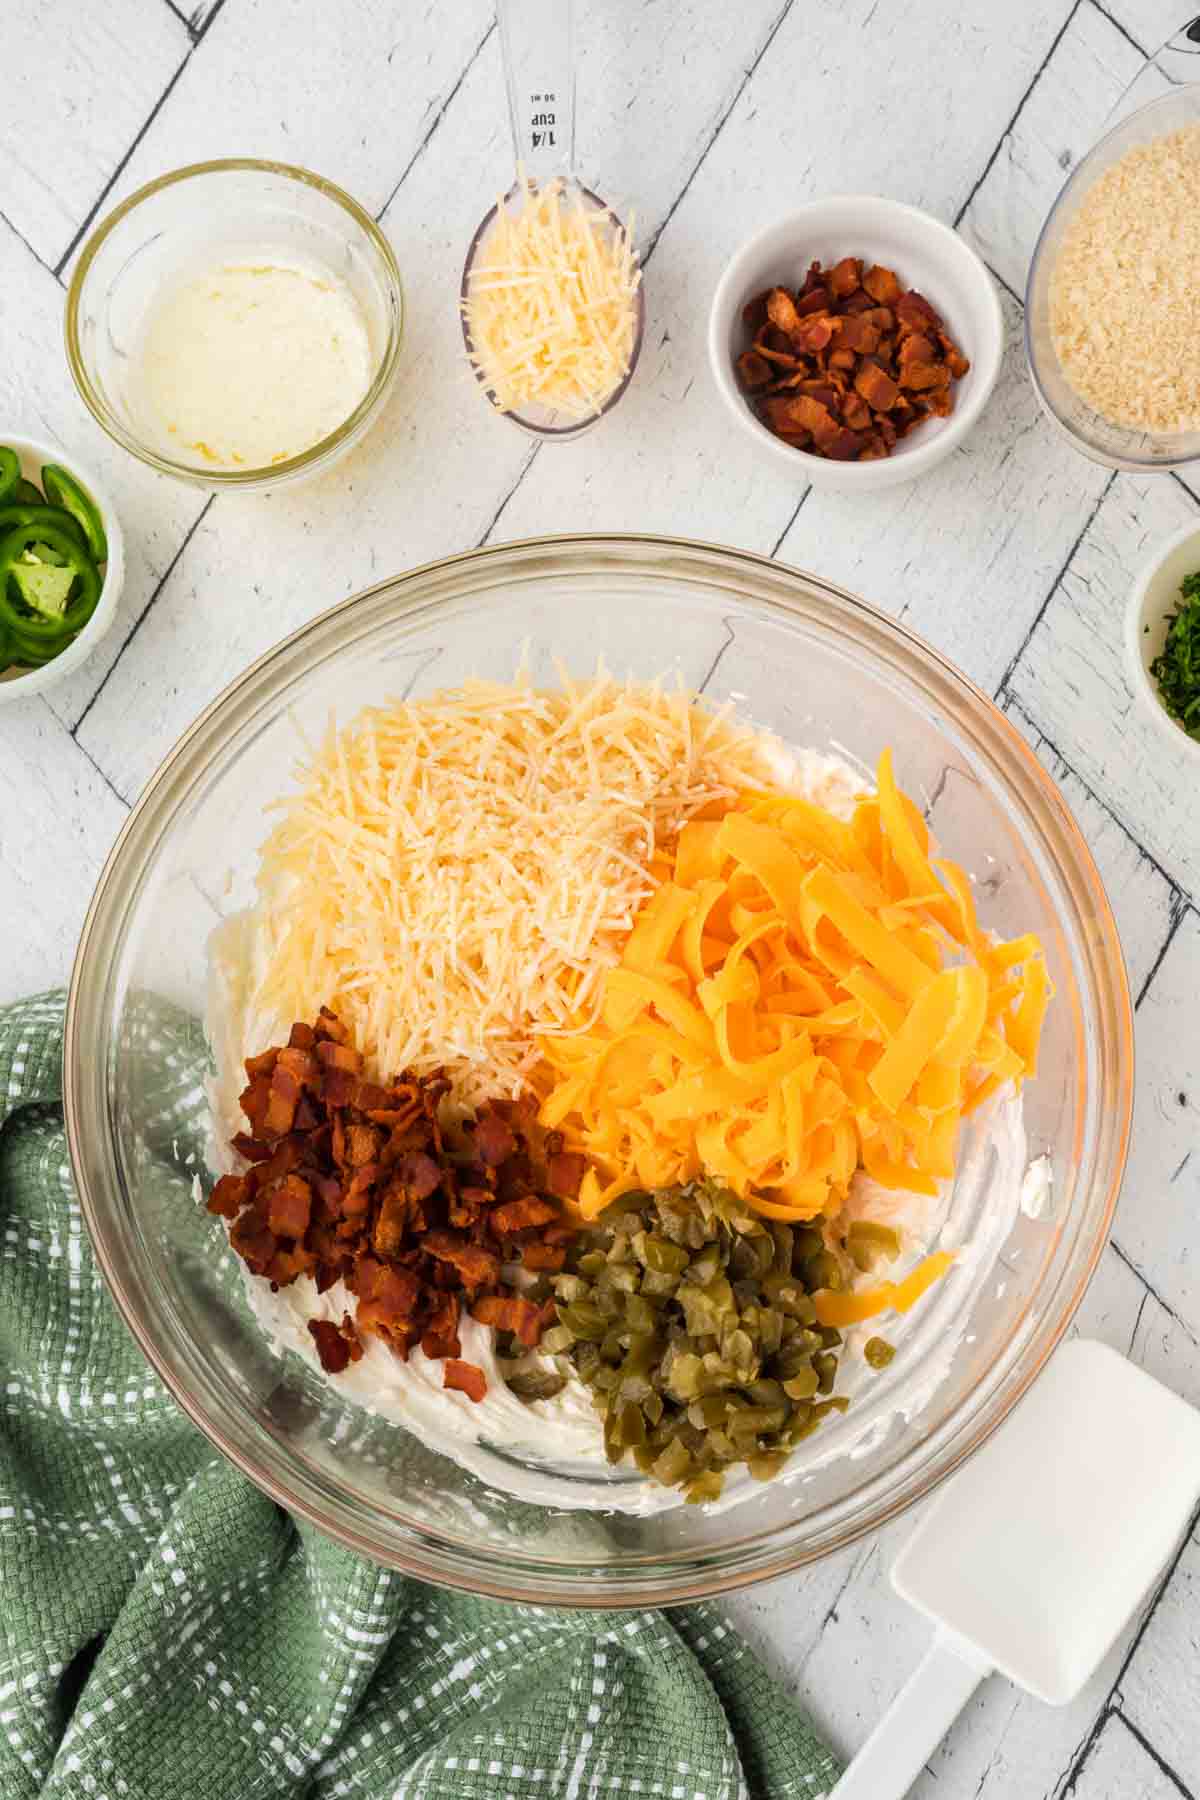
(841, 1309)
(802, 997)
(551, 304)
(454, 876)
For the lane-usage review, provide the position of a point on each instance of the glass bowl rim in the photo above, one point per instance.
(218, 479)
(1133, 465)
(642, 1582)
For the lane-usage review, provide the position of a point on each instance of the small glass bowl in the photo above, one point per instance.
(1116, 446)
(187, 219)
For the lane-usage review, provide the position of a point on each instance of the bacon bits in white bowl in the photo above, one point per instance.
(899, 431)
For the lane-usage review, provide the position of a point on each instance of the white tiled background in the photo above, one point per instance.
(1015, 557)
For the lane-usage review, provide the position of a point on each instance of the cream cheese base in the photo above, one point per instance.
(251, 362)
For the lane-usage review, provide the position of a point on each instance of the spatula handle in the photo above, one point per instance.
(915, 1723)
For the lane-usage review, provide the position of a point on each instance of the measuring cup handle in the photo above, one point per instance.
(537, 41)
(915, 1723)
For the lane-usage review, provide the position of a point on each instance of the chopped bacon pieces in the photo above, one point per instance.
(228, 1196)
(339, 1056)
(511, 1313)
(282, 1101)
(882, 285)
(754, 369)
(847, 364)
(564, 1174)
(547, 1257)
(419, 1173)
(522, 1215)
(845, 278)
(350, 1180)
(876, 386)
(337, 1345)
(494, 1139)
(289, 1207)
(440, 1338)
(465, 1377)
(477, 1266)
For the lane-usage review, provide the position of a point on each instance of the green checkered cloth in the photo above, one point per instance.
(168, 1633)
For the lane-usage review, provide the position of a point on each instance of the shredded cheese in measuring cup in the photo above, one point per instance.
(551, 306)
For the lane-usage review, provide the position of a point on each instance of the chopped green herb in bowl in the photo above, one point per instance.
(1176, 668)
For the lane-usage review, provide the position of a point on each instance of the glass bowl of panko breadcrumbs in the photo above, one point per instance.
(1112, 305)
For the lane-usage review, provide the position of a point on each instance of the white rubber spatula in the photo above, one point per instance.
(1038, 1551)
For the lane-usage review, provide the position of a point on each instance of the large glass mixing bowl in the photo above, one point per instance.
(791, 653)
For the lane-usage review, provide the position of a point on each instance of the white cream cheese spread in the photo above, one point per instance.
(248, 364)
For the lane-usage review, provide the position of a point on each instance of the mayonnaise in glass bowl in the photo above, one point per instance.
(236, 324)
(822, 671)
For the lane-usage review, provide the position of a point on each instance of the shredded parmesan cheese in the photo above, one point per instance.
(454, 876)
(551, 305)
(1125, 293)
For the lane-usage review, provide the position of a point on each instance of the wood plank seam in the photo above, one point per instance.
(1154, 1755)
(21, 238)
(521, 474)
(87, 755)
(1002, 688)
(159, 586)
(1009, 704)
(1137, 1323)
(187, 24)
(791, 521)
(1017, 299)
(1124, 31)
(107, 189)
(1021, 105)
(1180, 907)
(719, 127)
(202, 31)
(1153, 1291)
(442, 110)
(1089, 1743)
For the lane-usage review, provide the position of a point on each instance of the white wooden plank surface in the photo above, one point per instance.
(1088, 70)
(965, 556)
(348, 91)
(79, 84)
(1144, 901)
(1071, 678)
(1151, 22)
(1156, 1220)
(1015, 558)
(197, 13)
(1119, 1764)
(57, 825)
(1160, 1692)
